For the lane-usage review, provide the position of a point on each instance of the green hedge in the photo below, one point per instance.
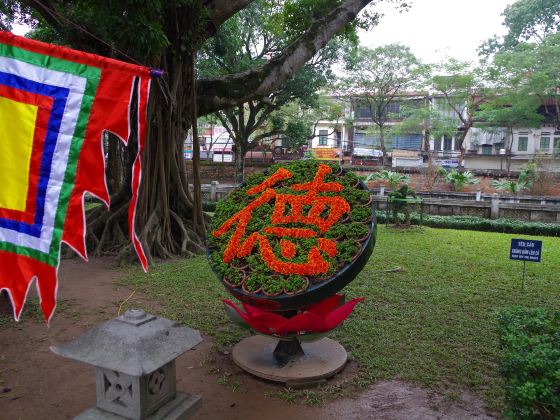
(209, 206)
(530, 366)
(480, 223)
(463, 223)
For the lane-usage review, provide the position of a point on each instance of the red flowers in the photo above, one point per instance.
(320, 317)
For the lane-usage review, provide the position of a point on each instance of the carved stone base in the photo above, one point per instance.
(319, 360)
(182, 407)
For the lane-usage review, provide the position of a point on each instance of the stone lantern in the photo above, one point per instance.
(134, 358)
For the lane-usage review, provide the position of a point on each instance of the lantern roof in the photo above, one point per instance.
(135, 343)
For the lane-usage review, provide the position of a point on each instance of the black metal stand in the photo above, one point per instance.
(287, 350)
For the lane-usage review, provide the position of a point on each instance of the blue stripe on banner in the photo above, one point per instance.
(60, 97)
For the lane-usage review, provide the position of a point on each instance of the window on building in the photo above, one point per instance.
(363, 111)
(457, 144)
(544, 144)
(407, 142)
(499, 146)
(437, 144)
(363, 140)
(486, 149)
(522, 143)
(393, 110)
(447, 143)
(556, 149)
(323, 137)
(338, 139)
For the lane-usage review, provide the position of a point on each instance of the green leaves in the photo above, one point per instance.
(460, 179)
(530, 20)
(391, 178)
(530, 340)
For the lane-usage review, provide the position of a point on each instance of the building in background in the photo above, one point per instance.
(355, 138)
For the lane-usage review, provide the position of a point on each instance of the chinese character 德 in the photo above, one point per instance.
(323, 212)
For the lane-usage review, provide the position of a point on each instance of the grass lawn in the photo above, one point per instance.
(432, 323)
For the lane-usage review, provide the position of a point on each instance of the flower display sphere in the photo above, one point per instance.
(293, 236)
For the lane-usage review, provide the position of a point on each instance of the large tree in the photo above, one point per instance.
(377, 77)
(461, 89)
(525, 21)
(533, 70)
(248, 39)
(168, 35)
(429, 120)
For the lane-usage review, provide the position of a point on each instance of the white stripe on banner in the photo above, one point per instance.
(77, 86)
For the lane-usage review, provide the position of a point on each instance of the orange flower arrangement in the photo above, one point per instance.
(313, 204)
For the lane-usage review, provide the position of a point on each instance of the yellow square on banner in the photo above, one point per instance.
(17, 130)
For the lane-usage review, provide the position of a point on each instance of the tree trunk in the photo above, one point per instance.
(382, 142)
(508, 148)
(169, 218)
(240, 153)
(462, 149)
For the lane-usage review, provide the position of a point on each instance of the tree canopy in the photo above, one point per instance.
(378, 76)
(249, 39)
(168, 35)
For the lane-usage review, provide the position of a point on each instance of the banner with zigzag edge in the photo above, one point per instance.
(55, 103)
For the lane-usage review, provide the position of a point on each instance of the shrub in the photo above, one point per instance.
(273, 285)
(480, 223)
(390, 178)
(460, 179)
(513, 187)
(209, 206)
(530, 366)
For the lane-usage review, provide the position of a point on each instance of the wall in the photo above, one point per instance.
(519, 211)
(493, 162)
(223, 173)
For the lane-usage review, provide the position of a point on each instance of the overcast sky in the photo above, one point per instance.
(434, 29)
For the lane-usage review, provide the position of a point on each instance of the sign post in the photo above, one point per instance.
(525, 250)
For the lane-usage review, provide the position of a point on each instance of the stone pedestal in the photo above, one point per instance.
(316, 362)
(182, 407)
(134, 356)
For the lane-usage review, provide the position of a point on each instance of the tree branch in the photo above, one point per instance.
(224, 92)
(74, 34)
(224, 123)
(220, 11)
(263, 136)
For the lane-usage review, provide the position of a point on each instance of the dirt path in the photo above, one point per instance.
(36, 384)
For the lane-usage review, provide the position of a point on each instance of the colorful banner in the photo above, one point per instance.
(55, 104)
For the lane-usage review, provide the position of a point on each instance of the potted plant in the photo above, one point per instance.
(337, 232)
(234, 277)
(253, 283)
(360, 214)
(295, 284)
(357, 231)
(273, 285)
(348, 251)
